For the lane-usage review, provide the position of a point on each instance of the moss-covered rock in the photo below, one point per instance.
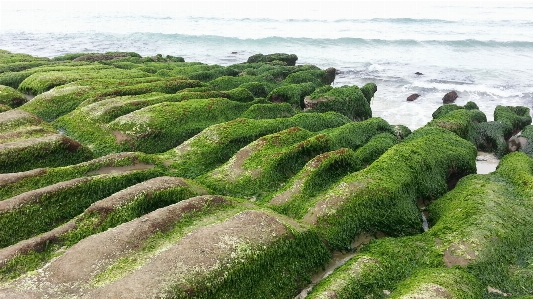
(369, 90)
(258, 89)
(293, 94)
(460, 121)
(11, 97)
(406, 172)
(261, 166)
(289, 59)
(267, 111)
(472, 250)
(492, 137)
(516, 116)
(444, 109)
(218, 143)
(347, 100)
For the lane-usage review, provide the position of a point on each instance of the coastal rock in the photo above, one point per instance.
(413, 97)
(347, 100)
(450, 97)
(516, 142)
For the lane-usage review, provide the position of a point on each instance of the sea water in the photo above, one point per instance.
(482, 50)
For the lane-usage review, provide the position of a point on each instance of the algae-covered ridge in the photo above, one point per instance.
(124, 176)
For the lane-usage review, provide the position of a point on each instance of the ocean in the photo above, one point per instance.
(482, 50)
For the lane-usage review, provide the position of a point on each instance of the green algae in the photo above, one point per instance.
(516, 116)
(218, 143)
(269, 111)
(347, 100)
(293, 94)
(289, 59)
(261, 166)
(51, 209)
(11, 97)
(479, 228)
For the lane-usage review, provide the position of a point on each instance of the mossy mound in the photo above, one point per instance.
(446, 108)
(347, 100)
(517, 117)
(206, 188)
(288, 59)
(218, 143)
(460, 121)
(27, 143)
(261, 166)
(11, 97)
(472, 250)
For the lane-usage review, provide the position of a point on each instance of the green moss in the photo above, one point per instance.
(263, 165)
(406, 172)
(11, 97)
(368, 90)
(62, 100)
(240, 95)
(279, 271)
(46, 151)
(440, 283)
(445, 109)
(55, 208)
(516, 116)
(142, 203)
(293, 94)
(316, 77)
(206, 76)
(289, 59)
(229, 83)
(257, 89)
(460, 121)
(218, 143)
(347, 100)
(480, 228)
(55, 175)
(160, 127)
(491, 137)
(268, 111)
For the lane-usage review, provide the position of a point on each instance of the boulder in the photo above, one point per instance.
(413, 97)
(450, 97)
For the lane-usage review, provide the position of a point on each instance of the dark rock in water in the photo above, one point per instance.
(418, 73)
(450, 97)
(516, 142)
(413, 97)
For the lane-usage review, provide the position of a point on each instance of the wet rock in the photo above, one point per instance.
(450, 97)
(516, 142)
(413, 97)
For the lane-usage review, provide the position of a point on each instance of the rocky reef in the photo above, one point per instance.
(124, 176)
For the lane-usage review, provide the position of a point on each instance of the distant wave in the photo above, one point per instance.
(467, 43)
(307, 20)
(216, 39)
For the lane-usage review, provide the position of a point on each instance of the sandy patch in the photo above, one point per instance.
(486, 163)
